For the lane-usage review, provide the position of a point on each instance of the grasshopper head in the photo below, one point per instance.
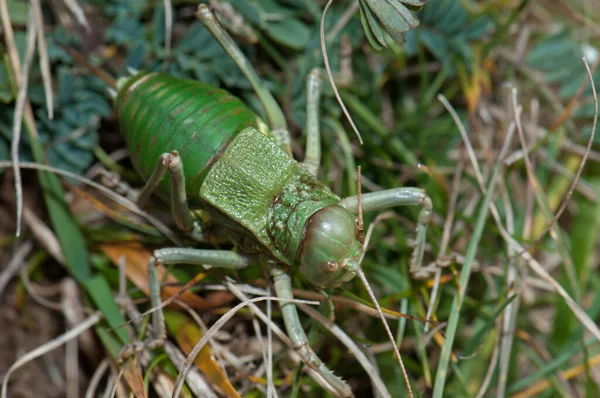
(329, 255)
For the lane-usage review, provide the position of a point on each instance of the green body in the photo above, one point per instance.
(232, 167)
(158, 112)
(228, 164)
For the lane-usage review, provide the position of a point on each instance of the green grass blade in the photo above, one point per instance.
(442, 370)
(101, 294)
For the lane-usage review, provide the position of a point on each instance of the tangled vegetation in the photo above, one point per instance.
(485, 105)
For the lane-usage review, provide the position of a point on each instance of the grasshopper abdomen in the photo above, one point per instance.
(157, 111)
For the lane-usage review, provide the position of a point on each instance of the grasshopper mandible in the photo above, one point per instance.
(223, 159)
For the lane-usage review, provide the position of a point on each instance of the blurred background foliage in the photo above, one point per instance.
(389, 72)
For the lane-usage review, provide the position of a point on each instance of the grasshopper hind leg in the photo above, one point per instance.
(182, 215)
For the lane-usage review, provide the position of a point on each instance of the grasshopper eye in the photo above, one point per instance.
(330, 266)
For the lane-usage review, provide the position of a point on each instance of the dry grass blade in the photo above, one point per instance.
(222, 320)
(363, 279)
(330, 75)
(15, 263)
(343, 301)
(49, 346)
(568, 374)
(271, 391)
(77, 11)
(511, 312)
(110, 194)
(9, 39)
(586, 321)
(18, 114)
(43, 53)
(44, 235)
(95, 380)
(335, 330)
(163, 304)
(238, 291)
(351, 345)
(445, 238)
(490, 372)
(542, 200)
(33, 293)
(343, 21)
(328, 324)
(195, 380)
(584, 158)
(168, 30)
(466, 140)
(72, 368)
(584, 318)
(113, 390)
(74, 313)
(453, 321)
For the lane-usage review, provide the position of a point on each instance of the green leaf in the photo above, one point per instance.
(371, 27)
(102, 296)
(557, 57)
(6, 89)
(552, 52)
(18, 10)
(273, 9)
(447, 30)
(4, 151)
(250, 11)
(413, 4)
(289, 32)
(477, 339)
(584, 236)
(394, 17)
(135, 57)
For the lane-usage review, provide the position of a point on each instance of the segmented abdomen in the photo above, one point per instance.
(160, 113)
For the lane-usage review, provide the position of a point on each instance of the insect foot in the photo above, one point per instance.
(113, 181)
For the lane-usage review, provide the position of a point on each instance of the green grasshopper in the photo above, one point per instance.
(222, 158)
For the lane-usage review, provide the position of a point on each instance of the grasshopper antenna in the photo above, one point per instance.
(361, 225)
(81, 60)
(361, 275)
(363, 279)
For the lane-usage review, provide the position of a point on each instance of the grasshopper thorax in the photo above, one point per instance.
(330, 250)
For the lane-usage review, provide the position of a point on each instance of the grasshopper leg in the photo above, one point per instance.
(182, 215)
(283, 289)
(400, 197)
(273, 110)
(312, 157)
(168, 256)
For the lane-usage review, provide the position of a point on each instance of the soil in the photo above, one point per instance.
(24, 329)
